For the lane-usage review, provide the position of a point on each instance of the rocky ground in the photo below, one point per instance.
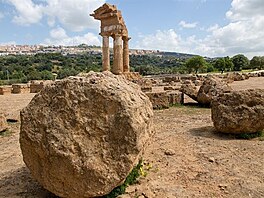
(186, 157)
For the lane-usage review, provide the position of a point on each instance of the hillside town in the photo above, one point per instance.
(64, 50)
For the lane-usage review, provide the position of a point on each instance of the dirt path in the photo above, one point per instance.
(188, 158)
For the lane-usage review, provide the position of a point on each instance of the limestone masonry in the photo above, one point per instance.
(113, 25)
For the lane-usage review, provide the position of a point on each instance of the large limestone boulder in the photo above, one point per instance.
(239, 112)
(3, 123)
(211, 88)
(81, 137)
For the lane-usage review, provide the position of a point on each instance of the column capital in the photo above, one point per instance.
(125, 38)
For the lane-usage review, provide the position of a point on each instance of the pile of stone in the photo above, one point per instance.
(239, 112)
(236, 76)
(210, 89)
(256, 74)
(81, 137)
(171, 79)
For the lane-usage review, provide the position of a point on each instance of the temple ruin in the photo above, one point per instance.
(113, 25)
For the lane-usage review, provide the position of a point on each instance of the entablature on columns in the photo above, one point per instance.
(113, 25)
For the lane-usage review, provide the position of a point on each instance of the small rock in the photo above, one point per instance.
(211, 159)
(222, 186)
(169, 152)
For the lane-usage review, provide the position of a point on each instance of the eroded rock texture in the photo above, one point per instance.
(80, 137)
(239, 112)
(211, 88)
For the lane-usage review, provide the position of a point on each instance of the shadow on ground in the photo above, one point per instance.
(210, 132)
(19, 183)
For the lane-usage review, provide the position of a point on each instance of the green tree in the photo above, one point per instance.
(34, 75)
(224, 64)
(228, 64)
(257, 62)
(67, 72)
(17, 75)
(46, 75)
(240, 62)
(220, 64)
(195, 63)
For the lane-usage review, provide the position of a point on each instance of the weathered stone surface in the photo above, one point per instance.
(3, 123)
(169, 88)
(159, 100)
(239, 111)
(175, 98)
(132, 76)
(211, 88)
(36, 86)
(236, 76)
(169, 79)
(190, 90)
(5, 90)
(145, 84)
(198, 82)
(20, 88)
(81, 137)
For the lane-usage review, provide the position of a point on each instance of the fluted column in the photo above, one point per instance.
(118, 55)
(126, 67)
(105, 54)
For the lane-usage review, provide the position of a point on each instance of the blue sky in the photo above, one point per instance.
(205, 27)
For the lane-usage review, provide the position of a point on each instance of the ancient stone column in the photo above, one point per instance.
(105, 54)
(126, 54)
(118, 55)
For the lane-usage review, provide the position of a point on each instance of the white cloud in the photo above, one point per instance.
(246, 9)
(212, 28)
(243, 34)
(170, 40)
(184, 24)
(58, 36)
(72, 14)
(27, 12)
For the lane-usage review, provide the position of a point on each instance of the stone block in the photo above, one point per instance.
(159, 100)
